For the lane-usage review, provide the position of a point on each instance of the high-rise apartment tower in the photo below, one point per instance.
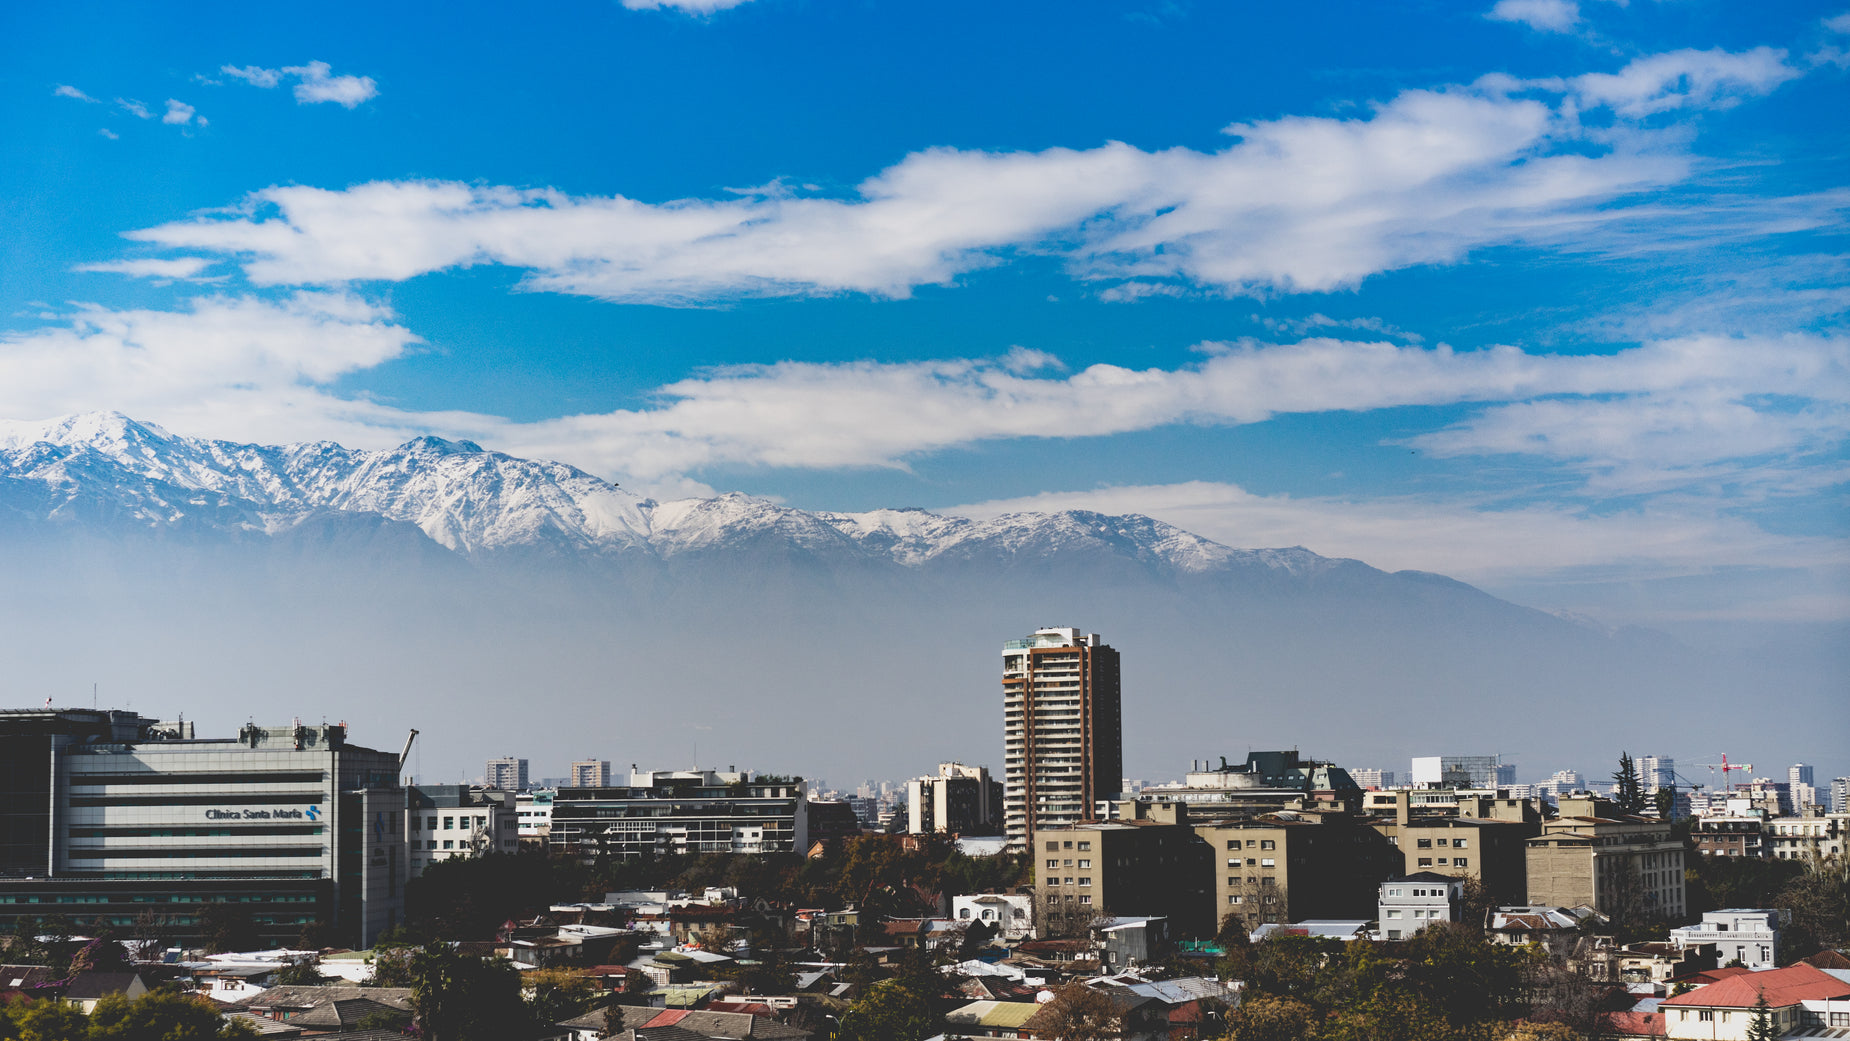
(508, 774)
(1063, 748)
(591, 773)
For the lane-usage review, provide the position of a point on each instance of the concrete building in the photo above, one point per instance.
(508, 774)
(590, 773)
(1840, 795)
(1654, 772)
(1010, 914)
(1144, 866)
(1290, 866)
(1491, 849)
(1801, 838)
(1750, 937)
(106, 814)
(1374, 779)
(1738, 834)
(1411, 903)
(445, 821)
(961, 799)
(683, 811)
(1594, 854)
(1800, 1000)
(533, 814)
(1265, 782)
(1062, 730)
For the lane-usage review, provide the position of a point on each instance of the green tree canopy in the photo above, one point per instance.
(889, 1011)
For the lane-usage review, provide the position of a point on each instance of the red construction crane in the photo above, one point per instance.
(1725, 766)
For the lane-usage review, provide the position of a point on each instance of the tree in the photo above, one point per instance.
(303, 973)
(1077, 1013)
(163, 1014)
(889, 1011)
(1819, 900)
(99, 956)
(48, 1020)
(1627, 792)
(1762, 1027)
(558, 994)
(458, 997)
(1267, 1018)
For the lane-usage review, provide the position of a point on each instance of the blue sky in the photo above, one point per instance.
(1547, 296)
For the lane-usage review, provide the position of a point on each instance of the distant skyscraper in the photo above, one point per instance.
(508, 774)
(1840, 794)
(1062, 729)
(1460, 771)
(1373, 778)
(1799, 773)
(1655, 771)
(591, 773)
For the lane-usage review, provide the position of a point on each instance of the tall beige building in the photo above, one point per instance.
(1596, 854)
(1062, 727)
(591, 773)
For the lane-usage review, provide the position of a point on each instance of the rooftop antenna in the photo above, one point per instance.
(93, 696)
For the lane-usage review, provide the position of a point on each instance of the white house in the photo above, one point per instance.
(1748, 936)
(1011, 914)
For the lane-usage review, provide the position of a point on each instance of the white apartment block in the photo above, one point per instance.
(1407, 905)
(507, 773)
(1750, 937)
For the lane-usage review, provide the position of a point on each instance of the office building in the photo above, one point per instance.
(590, 773)
(106, 815)
(454, 820)
(1654, 772)
(533, 814)
(666, 812)
(961, 799)
(508, 774)
(1374, 779)
(1062, 730)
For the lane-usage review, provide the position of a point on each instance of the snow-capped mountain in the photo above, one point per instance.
(472, 501)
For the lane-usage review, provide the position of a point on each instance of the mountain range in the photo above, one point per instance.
(494, 602)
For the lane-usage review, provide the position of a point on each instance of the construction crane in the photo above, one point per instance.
(1725, 766)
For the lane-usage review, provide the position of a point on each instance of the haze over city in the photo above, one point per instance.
(1544, 298)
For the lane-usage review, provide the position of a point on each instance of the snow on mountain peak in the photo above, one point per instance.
(471, 499)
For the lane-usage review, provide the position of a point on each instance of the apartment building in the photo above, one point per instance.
(507, 773)
(1492, 850)
(667, 812)
(1594, 854)
(590, 773)
(1292, 865)
(1062, 730)
(446, 821)
(963, 800)
(1151, 866)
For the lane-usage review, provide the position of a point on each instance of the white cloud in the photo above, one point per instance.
(685, 6)
(175, 268)
(67, 91)
(1686, 78)
(1838, 23)
(108, 133)
(255, 75)
(1297, 204)
(315, 82)
(1554, 16)
(134, 108)
(1294, 204)
(179, 113)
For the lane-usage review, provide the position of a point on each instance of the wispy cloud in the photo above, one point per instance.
(314, 82)
(684, 6)
(67, 91)
(134, 108)
(1295, 204)
(1553, 16)
(175, 268)
(179, 113)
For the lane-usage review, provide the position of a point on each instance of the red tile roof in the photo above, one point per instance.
(1635, 1024)
(1782, 987)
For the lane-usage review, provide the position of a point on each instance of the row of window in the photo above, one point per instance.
(1455, 862)
(1239, 899)
(1428, 843)
(1234, 880)
(1250, 862)
(1054, 845)
(1054, 863)
(1250, 843)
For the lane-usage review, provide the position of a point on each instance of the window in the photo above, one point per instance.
(1460, 862)
(1052, 846)
(1268, 862)
(449, 843)
(1069, 844)
(449, 824)
(1266, 881)
(1233, 880)
(1267, 844)
(1271, 900)
(1085, 863)
(1085, 847)
(1233, 861)
(1393, 914)
(1423, 843)
(1053, 862)
(1250, 843)
(1069, 880)
(1068, 862)
(1085, 880)
(1085, 898)
(1426, 862)
(1235, 899)
(1441, 861)
(963, 912)
(1444, 842)
(1233, 843)
(1459, 843)
(431, 825)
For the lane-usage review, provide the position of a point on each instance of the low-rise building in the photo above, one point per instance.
(1729, 835)
(533, 815)
(1292, 865)
(1491, 850)
(1409, 904)
(963, 800)
(445, 821)
(1151, 865)
(1749, 936)
(1010, 914)
(1804, 837)
(668, 812)
(1798, 998)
